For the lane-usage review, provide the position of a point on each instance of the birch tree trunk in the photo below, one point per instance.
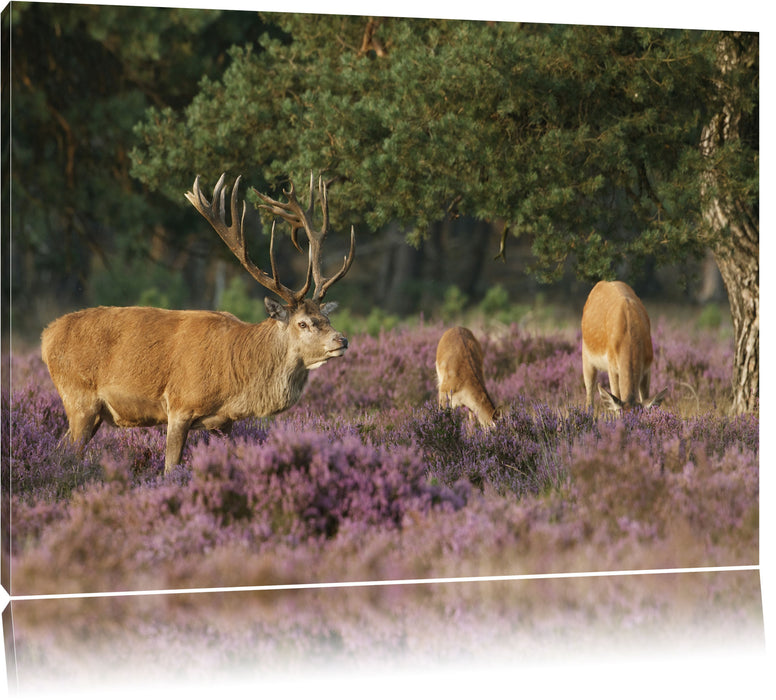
(736, 225)
(737, 259)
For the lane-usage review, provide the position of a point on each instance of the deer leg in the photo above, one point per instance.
(219, 423)
(644, 386)
(614, 383)
(226, 427)
(589, 374)
(177, 432)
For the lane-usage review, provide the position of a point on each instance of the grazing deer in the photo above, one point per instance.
(616, 338)
(459, 372)
(138, 366)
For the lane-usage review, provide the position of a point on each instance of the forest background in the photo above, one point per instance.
(584, 152)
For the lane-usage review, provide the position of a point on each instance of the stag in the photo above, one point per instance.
(616, 338)
(460, 376)
(139, 366)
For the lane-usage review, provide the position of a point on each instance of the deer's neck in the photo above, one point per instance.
(271, 372)
(485, 407)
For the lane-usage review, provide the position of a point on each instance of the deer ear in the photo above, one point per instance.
(329, 307)
(656, 400)
(276, 310)
(609, 400)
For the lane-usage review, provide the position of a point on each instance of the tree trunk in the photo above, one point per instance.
(475, 249)
(738, 264)
(736, 226)
(401, 268)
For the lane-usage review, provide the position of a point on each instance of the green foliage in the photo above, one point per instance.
(496, 307)
(236, 299)
(710, 317)
(154, 297)
(495, 301)
(594, 131)
(82, 76)
(454, 303)
(585, 139)
(375, 322)
(378, 321)
(138, 282)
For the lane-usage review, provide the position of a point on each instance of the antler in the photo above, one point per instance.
(297, 217)
(233, 236)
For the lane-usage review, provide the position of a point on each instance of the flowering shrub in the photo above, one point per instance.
(301, 485)
(518, 455)
(366, 478)
(392, 369)
(41, 464)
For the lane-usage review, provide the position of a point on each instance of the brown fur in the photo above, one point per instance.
(459, 372)
(616, 338)
(137, 366)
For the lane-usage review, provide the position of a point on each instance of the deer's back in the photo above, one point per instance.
(616, 328)
(459, 359)
(141, 349)
(613, 315)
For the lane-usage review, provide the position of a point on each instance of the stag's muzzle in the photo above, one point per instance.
(342, 345)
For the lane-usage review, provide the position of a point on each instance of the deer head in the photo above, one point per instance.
(306, 320)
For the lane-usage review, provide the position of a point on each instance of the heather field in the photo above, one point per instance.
(367, 480)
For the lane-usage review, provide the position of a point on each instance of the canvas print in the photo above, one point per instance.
(351, 341)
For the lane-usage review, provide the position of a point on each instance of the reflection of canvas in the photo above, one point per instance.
(288, 636)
